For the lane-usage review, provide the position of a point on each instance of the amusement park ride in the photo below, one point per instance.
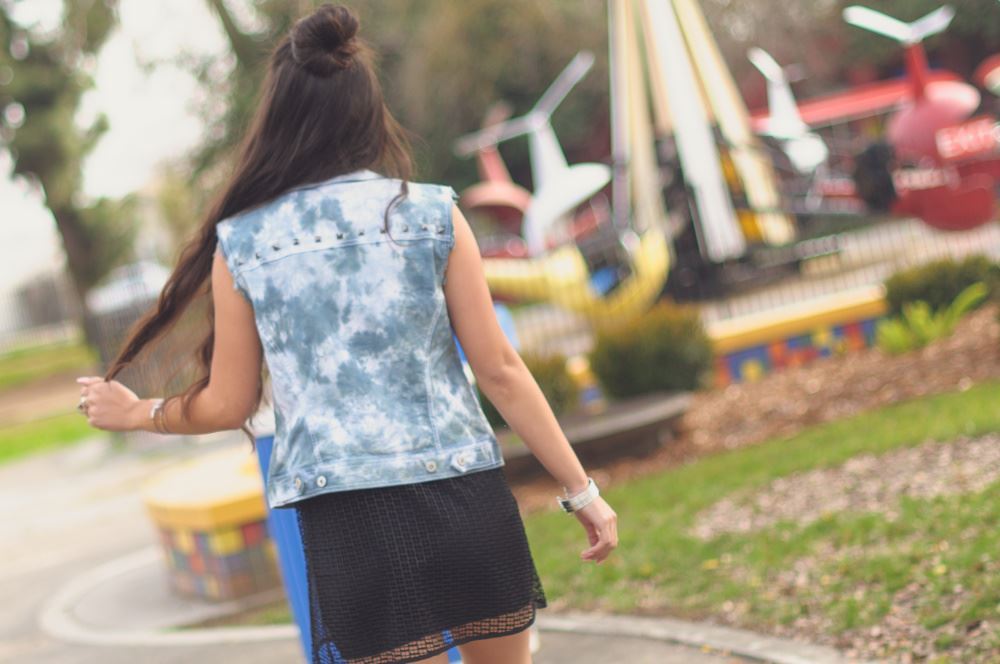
(694, 190)
(935, 163)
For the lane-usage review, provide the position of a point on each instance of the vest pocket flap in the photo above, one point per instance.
(471, 457)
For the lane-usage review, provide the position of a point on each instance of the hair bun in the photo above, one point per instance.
(324, 42)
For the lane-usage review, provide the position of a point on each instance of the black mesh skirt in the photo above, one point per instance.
(401, 573)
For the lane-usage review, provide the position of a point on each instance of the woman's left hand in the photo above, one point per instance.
(109, 404)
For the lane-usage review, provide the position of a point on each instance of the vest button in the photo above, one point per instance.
(431, 465)
(461, 460)
(298, 483)
(321, 481)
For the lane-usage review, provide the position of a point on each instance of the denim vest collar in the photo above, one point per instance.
(354, 176)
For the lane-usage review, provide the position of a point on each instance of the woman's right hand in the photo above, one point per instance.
(601, 524)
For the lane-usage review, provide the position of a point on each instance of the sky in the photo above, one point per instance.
(152, 118)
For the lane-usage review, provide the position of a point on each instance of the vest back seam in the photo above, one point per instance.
(427, 377)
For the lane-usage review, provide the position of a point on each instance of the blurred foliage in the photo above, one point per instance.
(177, 203)
(938, 283)
(920, 324)
(553, 378)
(443, 64)
(493, 415)
(666, 349)
(43, 77)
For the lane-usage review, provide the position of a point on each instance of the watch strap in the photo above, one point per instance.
(581, 499)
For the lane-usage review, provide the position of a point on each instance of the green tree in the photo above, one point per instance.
(42, 79)
(443, 64)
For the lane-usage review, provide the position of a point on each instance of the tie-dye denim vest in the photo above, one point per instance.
(368, 387)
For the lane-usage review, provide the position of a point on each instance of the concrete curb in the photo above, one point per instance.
(697, 635)
(57, 619)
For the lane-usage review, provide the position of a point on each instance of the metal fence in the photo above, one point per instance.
(863, 254)
(42, 310)
(852, 253)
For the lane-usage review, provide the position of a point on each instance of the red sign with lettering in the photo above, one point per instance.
(979, 136)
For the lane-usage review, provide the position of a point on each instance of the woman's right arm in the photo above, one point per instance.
(508, 384)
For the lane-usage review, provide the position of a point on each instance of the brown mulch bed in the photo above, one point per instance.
(861, 484)
(786, 402)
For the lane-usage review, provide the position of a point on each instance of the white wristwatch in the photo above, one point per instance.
(573, 503)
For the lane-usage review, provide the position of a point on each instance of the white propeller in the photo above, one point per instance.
(784, 120)
(905, 33)
(766, 65)
(566, 81)
(805, 150)
(534, 119)
(559, 187)
(935, 22)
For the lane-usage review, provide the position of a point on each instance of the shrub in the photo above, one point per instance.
(940, 282)
(493, 415)
(920, 325)
(550, 372)
(666, 348)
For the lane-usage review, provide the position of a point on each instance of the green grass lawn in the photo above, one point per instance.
(20, 367)
(860, 560)
(39, 435)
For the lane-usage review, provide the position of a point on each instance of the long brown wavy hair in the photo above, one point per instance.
(321, 114)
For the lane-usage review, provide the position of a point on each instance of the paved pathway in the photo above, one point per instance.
(75, 515)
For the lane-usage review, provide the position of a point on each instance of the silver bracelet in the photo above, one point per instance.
(155, 415)
(585, 497)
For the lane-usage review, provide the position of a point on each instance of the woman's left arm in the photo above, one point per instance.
(228, 399)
